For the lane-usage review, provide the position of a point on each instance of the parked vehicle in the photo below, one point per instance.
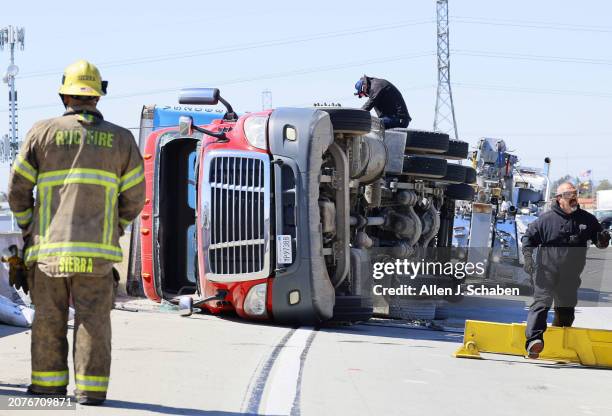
(279, 214)
(604, 208)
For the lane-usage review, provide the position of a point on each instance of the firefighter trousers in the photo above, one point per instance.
(93, 299)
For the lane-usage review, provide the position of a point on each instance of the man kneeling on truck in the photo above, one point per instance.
(385, 99)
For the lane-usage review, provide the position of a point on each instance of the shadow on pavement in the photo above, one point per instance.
(7, 330)
(394, 331)
(122, 404)
(167, 410)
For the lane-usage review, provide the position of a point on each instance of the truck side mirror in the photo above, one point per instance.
(185, 126)
(199, 96)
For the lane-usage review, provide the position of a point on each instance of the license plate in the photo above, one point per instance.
(284, 251)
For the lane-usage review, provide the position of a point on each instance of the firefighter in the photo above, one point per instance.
(89, 181)
(385, 99)
(561, 236)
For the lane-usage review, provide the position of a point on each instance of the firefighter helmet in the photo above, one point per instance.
(82, 78)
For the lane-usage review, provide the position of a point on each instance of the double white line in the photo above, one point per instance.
(275, 389)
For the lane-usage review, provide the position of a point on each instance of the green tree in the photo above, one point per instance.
(604, 185)
(563, 179)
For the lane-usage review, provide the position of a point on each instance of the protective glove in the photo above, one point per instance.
(17, 270)
(529, 264)
(603, 239)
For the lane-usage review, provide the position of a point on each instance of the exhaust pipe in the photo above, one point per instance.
(547, 174)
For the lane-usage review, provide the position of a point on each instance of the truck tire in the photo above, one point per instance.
(349, 120)
(457, 150)
(454, 174)
(351, 309)
(419, 141)
(461, 191)
(424, 167)
(470, 175)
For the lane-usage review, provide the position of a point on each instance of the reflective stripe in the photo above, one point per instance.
(50, 378)
(85, 117)
(107, 179)
(26, 170)
(85, 176)
(91, 383)
(108, 214)
(23, 217)
(130, 179)
(103, 251)
(124, 223)
(44, 211)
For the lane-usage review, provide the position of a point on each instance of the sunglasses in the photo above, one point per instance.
(568, 194)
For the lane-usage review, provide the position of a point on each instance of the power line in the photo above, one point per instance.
(581, 134)
(517, 89)
(531, 24)
(284, 74)
(238, 47)
(334, 100)
(528, 57)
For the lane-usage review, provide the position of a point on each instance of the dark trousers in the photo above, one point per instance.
(558, 286)
(392, 122)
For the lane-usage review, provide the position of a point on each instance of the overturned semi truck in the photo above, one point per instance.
(280, 214)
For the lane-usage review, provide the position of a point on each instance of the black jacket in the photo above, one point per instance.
(385, 99)
(562, 238)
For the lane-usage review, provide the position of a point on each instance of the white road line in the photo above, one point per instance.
(282, 383)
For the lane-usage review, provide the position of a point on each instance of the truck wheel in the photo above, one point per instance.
(457, 150)
(470, 175)
(352, 309)
(424, 167)
(349, 120)
(419, 141)
(461, 191)
(454, 174)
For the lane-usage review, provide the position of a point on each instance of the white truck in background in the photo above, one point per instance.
(604, 208)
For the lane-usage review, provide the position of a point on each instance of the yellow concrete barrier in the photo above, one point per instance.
(590, 347)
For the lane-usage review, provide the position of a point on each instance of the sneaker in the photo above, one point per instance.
(89, 401)
(534, 348)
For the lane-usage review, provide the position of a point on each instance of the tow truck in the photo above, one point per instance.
(279, 214)
(489, 234)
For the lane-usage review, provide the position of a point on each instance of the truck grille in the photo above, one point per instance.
(238, 225)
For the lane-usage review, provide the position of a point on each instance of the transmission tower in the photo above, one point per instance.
(444, 120)
(12, 36)
(266, 99)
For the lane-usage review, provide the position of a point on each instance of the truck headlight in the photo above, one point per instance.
(255, 131)
(255, 301)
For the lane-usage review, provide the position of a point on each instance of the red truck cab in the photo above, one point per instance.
(280, 214)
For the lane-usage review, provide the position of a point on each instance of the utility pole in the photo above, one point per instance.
(12, 36)
(444, 120)
(266, 99)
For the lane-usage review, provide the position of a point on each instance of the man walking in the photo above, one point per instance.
(89, 181)
(385, 99)
(561, 236)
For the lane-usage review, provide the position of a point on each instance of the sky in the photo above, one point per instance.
(534, 73)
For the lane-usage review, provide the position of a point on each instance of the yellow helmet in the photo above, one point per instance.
(82, 78)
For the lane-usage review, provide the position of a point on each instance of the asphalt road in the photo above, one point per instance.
(165, 364)
(206, 365)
